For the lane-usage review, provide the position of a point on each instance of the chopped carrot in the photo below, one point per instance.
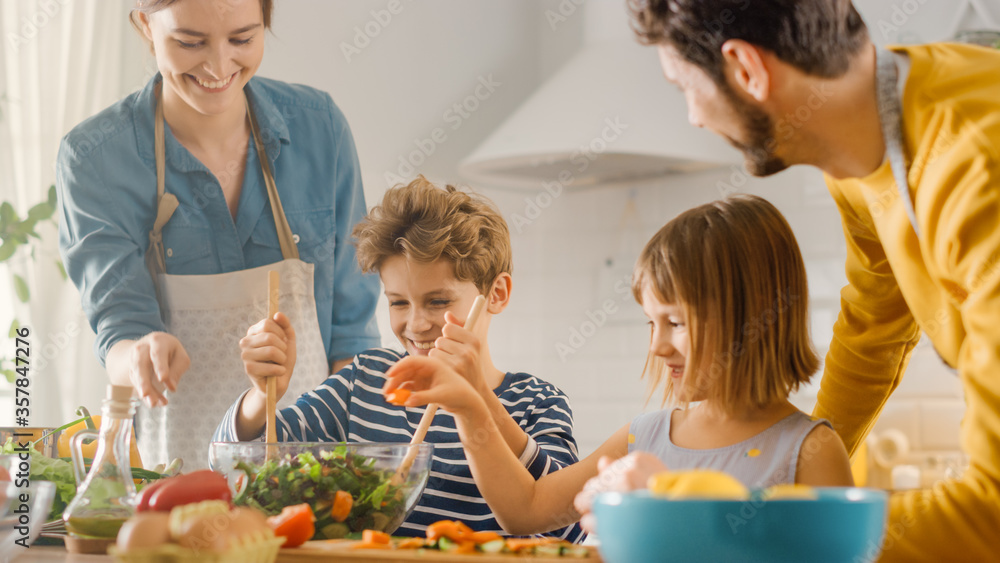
(397, 396)
(411, 543)
(520, 544)
(363, 545)
(466, 547)
(485, 537)
(441, 529)
(374, 536)
(342, 503)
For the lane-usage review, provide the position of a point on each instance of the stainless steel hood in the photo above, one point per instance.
(607, 117)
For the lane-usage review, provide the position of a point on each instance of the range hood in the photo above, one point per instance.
(607, 117)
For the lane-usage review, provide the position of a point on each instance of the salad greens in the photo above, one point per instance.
(377, 503)
(60, 472)
(44, 468)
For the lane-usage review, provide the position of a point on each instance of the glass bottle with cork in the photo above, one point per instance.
(105, 494)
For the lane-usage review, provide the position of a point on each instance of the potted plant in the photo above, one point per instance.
(19, 240)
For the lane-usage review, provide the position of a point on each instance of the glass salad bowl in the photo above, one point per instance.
(324, 474)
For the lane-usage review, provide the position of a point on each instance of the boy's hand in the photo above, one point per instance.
(431, 380)
(459, 348)
(624, 474)
(268, 350)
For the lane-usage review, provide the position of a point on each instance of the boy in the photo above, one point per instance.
(435, 250)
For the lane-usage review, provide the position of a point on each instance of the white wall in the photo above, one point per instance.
(430, 55)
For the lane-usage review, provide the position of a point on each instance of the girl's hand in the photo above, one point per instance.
(431, 380)
(268, 350)
(624, 474)
(459, 348)
(156, 362)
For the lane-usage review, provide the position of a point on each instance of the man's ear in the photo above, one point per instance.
(745, 64)
(499, 295)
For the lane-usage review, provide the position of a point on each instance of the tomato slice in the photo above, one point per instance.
(296, 524)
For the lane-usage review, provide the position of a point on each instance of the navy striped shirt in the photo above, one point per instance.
(349, 407)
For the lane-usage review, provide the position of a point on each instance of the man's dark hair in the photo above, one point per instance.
(817, 36)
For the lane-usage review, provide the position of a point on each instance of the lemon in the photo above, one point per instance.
(789, 491)
(697, 483)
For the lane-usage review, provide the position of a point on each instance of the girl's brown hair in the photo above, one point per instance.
(735, 269)
(152, 6)
(423, 222)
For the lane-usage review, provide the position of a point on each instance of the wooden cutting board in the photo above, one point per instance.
(343, 551)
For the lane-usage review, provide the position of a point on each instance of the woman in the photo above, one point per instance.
(178, 199)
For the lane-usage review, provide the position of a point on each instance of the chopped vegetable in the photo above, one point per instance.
(397, 396)
(375, 503)
(342, 503)
(187, 488)
(296, 524)
(456, 537)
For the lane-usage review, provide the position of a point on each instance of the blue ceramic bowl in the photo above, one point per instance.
(843, 525)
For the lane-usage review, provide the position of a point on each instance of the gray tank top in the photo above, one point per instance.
(767, 459)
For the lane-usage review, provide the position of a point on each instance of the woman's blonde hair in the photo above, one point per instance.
(423, 222)
(735, 269)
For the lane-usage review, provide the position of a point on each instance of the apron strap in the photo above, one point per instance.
(288, 248)
(166, 203)
(890, 111)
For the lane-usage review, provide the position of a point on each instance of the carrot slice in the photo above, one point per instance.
(342, 503)
(485, 537)
(411, 543)
(374, 536)
(397, 396)
(520, 544)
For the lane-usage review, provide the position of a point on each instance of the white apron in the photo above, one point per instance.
(209, 314)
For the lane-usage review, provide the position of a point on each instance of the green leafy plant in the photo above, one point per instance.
(18, 238)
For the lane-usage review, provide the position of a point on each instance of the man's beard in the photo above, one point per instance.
(758, 130)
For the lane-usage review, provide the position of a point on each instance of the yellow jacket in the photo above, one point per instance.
(946, 284)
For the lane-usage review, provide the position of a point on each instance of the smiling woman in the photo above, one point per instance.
(177, 200)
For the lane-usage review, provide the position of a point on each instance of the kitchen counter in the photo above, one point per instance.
(57, 554)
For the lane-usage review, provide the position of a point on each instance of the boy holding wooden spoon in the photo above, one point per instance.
(435, 250)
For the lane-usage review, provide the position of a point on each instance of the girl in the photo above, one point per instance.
(177, 199)
(724, 288)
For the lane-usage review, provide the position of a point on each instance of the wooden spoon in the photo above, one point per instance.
(428, 416)
(271, 432)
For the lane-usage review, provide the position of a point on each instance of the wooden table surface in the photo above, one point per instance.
(57, 554)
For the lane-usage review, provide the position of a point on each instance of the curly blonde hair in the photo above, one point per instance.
(423, 222)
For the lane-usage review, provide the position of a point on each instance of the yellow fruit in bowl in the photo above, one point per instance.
(697, 484)
(786, 491)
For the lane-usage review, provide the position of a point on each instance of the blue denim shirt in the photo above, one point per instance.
(106, 182)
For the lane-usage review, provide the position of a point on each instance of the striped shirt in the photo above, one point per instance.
(349, 407)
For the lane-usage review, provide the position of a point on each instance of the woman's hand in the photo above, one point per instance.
(432, 380)
(156, 362)
(268, 350)
(624, 474)
(459, 347)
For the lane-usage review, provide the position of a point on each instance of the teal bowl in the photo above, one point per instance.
(842, 525)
